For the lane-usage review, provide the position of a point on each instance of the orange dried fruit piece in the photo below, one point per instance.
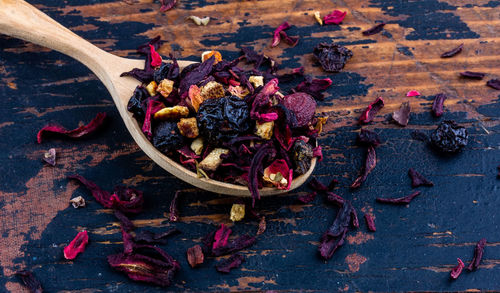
(188, 127)
(207, 54)
(165, 87)
(212, 90)
(172, 113)
(195, 98)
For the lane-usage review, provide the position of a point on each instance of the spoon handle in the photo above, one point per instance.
(21, 20)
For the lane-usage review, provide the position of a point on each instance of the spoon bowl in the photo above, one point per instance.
(21, 20)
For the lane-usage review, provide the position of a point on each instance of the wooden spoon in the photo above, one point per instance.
(21, 20)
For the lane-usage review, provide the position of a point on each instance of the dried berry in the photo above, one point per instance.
(136, 103)
(453, 52)
(302, 105)
(449, 137)
(223, 119)
(478, 255)
(400, 200)
(30, 282)
(81, 131)
(226, 265)
(374, 30)
(166, 136)
(456, 271)
(302, 153)
(332, 57)
(76, 246)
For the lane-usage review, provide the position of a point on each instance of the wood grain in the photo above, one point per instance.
(414, 247)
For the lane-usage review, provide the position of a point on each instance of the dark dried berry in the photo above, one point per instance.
(166, 137)
(332, 57)
(222, 119)
(136, 101)
(302, 154)
(166, 71)
(302, 105)
(449, 137)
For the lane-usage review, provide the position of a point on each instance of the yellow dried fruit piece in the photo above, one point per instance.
(151, 88)
(212, 90)
(264, 130)
(237, 212)
(188, 127)
(197, 146)
(320, 123)
(256, 81)
(207, 54)
(317, 16)
(199, 21)
(172, 113)
(212, 161)
(165, 87)
(238, 91)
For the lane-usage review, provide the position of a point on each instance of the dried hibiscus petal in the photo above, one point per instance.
(456, 271)
(494, 83)
(417, 179)
(333, 238)
(149, 237)
(81, 131)
(368, 138)
(370, 163)
(437, 105)
(155, 57)
(472, 74)
(314, 87)
(402, 116)
(76, 246)
(332, 57)
(30, 282)
(167, 5)
(237, 244)
(307, 198)
(372, 110)
(374, 30)
(124, 221)
(412, 93)
(317, 186)
(195, 256)
(221, 237)
(226, 265)
(370, 223)
(336, 17)
(276, 35)
(264, 151)
(478, 255)
(400, 200)
(101, 196)
(453, 52)
(50, 156)
(291, 41)
(174, 211)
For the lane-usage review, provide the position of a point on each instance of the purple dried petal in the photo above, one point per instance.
(149, 237)
(196, 75)
(368, 138)
(400, 200)
(79, 132)
(402, 116)
(374, 30)
(50, 157)
(314, 87)
(452, 52)
(370, 163)
(167, 5)
(372, 110)
(221, 236)
(276, 35)
(174, 211)
(291, 41)
(128, 241)
(101, 196)
(336, 17)
(370, 223)
(265, 151)
(307, 198)
(124, 221)
(317, 186)
(141, 75)
(226, 265)
(417, 179)
(30, 282)
(456, 271)
(472, 74)
(494, 83)
(478, 255)
(438, 104)
(237, 244)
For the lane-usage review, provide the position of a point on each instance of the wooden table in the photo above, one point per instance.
(414, 247)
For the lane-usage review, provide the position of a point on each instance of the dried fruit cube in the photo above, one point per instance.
(172, 113)
(264, 130)
(238, 91)
(256, 81)
(151, 88)
(207, 54)
(212, 90)
(165, 87)
(237, 212)
(188, 127)
(197, 146)
(212, 161)
(77, 202)
(317, 16)
(195, 98)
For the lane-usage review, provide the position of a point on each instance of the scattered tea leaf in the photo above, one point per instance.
(195, 256)
(478, 255)
(76, 246)
(336, 17)
(456, 271)
(226, 265)
(149, 237)
(199, 21)
(472, 74)
(437, 105)
(370, 223)
(400, 200)
(412, 93)
(29, 281)
(453, 52)
(417, 179)
(494, 83)
(77, 202)
(370, 163)
(374, 30)
(50, 156)
(79, 132)
(402, 116)
(372, 110)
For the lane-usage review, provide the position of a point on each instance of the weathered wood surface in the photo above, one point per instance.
(414, 247)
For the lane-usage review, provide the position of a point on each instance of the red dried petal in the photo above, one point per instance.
(195, 256)
(370, 163)
(314, 87)
(412, 93)
(402, 116)
(81, 131)
(370, 223)
(368, 138)
(316, 185)
(268, 117)
(235, 245)
(76, 246)
(478, 255)
(374, 30)
(262, 100)
(265, 151)
(234, 261)
(30, 282)
(438, 104)
(494, 83)
(276, 35)
(336, 17)
(291, 41)
(307, 198)
(279, 166)
(101, 196)
(452, 52)
(153, 107)
(221, 237)
(167, 5)
(317, 152)
(456, 271)
(372, 110)
(302, 105)
(400, 200)
(155, 57)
